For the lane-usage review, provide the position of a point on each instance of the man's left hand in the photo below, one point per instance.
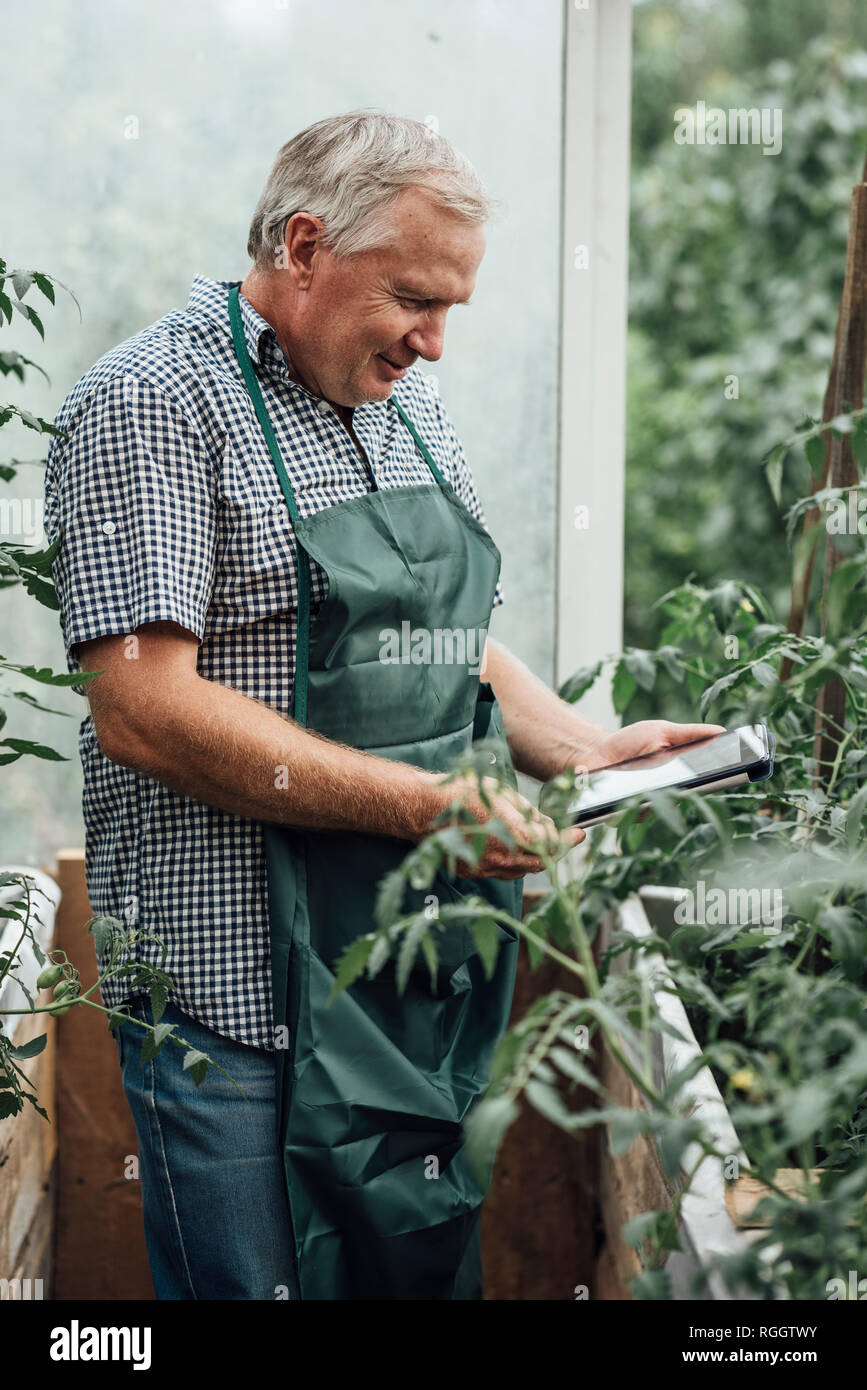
(637, 740)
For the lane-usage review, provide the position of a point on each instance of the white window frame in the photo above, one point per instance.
(592, 394)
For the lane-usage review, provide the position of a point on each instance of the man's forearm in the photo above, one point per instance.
(545, 734)
(213, 743)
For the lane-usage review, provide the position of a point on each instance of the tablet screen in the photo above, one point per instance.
(720, 755)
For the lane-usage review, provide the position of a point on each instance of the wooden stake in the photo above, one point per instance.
(845, 387)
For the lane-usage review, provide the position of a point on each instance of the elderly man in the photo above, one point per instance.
(253, 493)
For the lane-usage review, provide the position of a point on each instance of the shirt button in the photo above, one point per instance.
(493, 757)
(324, 408)
(109, 527)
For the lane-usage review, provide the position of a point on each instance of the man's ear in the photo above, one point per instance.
(303, 243)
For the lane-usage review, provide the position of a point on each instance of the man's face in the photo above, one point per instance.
(364, 320)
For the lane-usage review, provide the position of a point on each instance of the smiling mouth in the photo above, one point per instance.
(398, 366)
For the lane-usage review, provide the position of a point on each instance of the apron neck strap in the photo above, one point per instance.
(302, 640)
(255, 393)
(422, 447)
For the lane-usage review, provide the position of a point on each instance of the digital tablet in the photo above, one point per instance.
(710, 764)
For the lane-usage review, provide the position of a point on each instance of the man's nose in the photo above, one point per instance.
(427, 341)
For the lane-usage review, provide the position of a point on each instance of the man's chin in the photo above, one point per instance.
(376, 390)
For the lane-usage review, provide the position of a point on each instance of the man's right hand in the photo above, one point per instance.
(527, 825)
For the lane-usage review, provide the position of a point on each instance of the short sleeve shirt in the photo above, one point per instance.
(169, 508)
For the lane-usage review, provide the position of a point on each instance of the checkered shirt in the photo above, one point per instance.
(171, 509)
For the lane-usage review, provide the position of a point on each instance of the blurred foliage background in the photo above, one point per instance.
(737, 262)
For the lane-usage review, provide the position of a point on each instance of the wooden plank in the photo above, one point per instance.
(539, 1220)
(744, 1194)
(28, 1146)
(100, 1247)
(629, 1183)
(607, 1285)
(36, 1257)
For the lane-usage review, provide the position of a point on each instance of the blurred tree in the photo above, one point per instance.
(737, 266)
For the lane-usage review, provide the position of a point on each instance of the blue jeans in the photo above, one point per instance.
(216, 1215)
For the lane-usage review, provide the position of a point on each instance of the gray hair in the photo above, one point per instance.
(348, 170)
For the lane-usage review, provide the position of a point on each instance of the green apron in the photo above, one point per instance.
(373, 1089)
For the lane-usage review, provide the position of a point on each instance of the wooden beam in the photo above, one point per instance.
(848, 374)
(100, 1248)
(28, 1151)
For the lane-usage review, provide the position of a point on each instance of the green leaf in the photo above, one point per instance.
(673, 1139)
(409, 948)
(429, 948)
(198, 1063)
(389, 898)
(847, 937)
(36, 750)
(774, 470)
(548, 1101)
(155, 1040)
(626, 1125)
(159, 996)
(570, 1065)
(764, 674)
(484, 1129)
(42, 591)
(804, 1109)
(34, 318)
(623, 687)
(855, 815)
(642, 666)
(46, 676)
(815, 450)
(102, 930)
(29, 1049)
(487, 939)
(577, 685)
(671, 658)
(43, 283)
(859, 445)
(380, 953)
(659, 1227)
(21, 281)
(455, 845)
(39, 560)
(842, 582)
(714, 691)
(353, 962)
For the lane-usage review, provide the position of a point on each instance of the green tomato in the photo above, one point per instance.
(50, 976)
(65, 987)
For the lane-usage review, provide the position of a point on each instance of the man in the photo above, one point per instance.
(253, 493)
